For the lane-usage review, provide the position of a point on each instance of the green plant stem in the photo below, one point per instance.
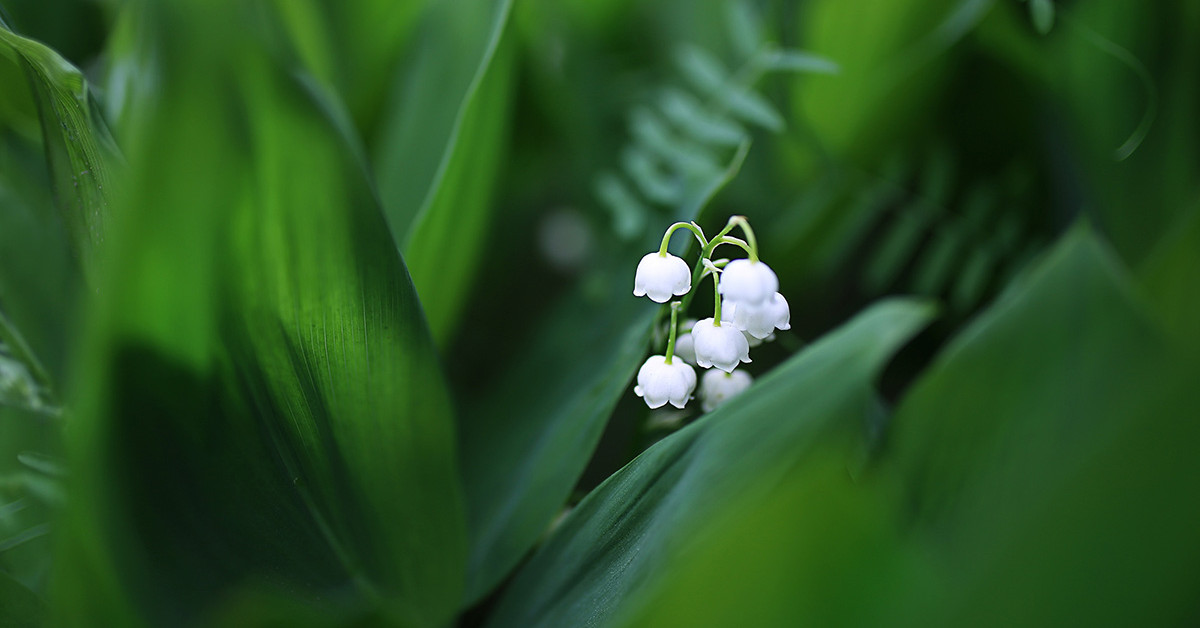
(745, 225)
(671, 334)
(690, 226)
(716, 302)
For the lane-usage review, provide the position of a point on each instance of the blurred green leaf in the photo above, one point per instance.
(624, 535)
(75, 139)
(800, 61)
(528, 436)
(819, 549)
(751, 107)
(1042, 14)
(690, 116)
(886, 51)
(262, 412)
(442, 240)
(1048, 457)
(19, 607)
(1171, 276)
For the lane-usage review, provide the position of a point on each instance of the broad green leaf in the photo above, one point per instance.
(622, 537)
(819, 549)
(528, 436)
(1048, 457)
(262, 414)
(364, 40)
(75, 139)
(19, 607)
(443, 241)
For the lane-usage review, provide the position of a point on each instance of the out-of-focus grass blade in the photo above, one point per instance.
(443, 239)
(23, 381)
(623, 537)
(20, 607)
(1048, 457)
(262, 414)
(75, 139)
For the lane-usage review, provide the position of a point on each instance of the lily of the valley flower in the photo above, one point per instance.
(747, 282)
(761, 320)
(661, 276)
(722, 346)
(728, 314)
(685, 346)
(717, 387)
(660, 382)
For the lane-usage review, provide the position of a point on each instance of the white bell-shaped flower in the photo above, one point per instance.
(722, 346)
(717, 387)
(661, 276)
(659, 382)
(761, 320)
(728, 314)
(685, 346)
(744, 281)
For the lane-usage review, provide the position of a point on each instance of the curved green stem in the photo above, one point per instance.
(716, 301)
(690, 226)
(745, 225)
(671, 337)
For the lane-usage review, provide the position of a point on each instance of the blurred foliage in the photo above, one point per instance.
(334, 328)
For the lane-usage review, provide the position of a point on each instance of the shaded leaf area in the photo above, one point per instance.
(262, 416)
(438, 112)
(1171, 274)
(626, 534)
(78, 149)
(445, 243)
(19, 607)
(817, 549)
(1057, 428)
(531, 432)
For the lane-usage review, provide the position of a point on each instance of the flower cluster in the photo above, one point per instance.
(747, 310)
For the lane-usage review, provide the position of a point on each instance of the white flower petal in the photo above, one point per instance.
(722, 346)
(685, 347)
(744, 281)
(659, 382)
(661, 276)
(717, 387)
(763, 319)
